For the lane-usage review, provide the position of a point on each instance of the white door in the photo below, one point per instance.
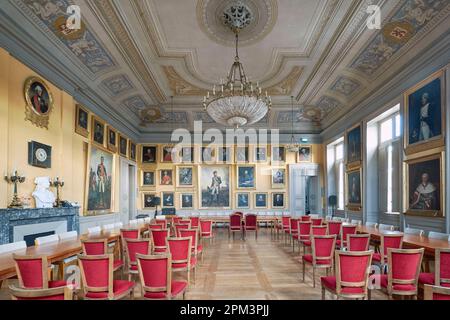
(301, 189)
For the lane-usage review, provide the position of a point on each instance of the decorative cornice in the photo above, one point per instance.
(179, 86)
(286, 86)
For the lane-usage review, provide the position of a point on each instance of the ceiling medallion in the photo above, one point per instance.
(256, 18)
(399, 32)
(149, 115)
(237, 102)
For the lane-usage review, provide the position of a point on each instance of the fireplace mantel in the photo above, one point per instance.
(10, 218)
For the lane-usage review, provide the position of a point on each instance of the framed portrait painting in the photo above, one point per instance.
(112, 139)
(100, 181)
(260, 154)
(278, 200)
(39, 101)
(207, 154)
(148, 178)
(185, 176)
(214, 186)
(246, 177)
(243, 200)
(167, 154)
(261, 200)
(187, 154)
(98, 131)
(187, 200)
(424, 115)
(425, 186)
(224, 155)
(81, 121)
(123, 146)
(132, 151)
(147, 200)
(304, 154)
(166, 177)
(353, 146)
(168, 199)
(149, 154)
(354, 190)
(242, 154)
(278, 154)
(278, 177)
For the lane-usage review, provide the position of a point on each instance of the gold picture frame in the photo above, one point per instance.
(272, 199)
(255, 154)
(181, 200)
(98, 130)
(164, 196)
(39, 101)
(430, 84)
(240, 185)
(111, 139)
(434, 166)
(205, 175)
(275, 182)
(81, 115)
(255, 200)
(301, 158)
(282, 154)
(165, 151)
(353, 197)
(122, 145)
(249, 199)
(132, 150)
(178, 177)
(142, 175)
(144, 198)
(355, 161)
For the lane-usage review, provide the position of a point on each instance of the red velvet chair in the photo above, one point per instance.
(285, 225)
(159, 238)
(180, 226)
(358, 242)
(334, 228)
(162, 222)
(251, 224)
(155, 272)
(436, 293)
(293, 230)
(441, 276)
(176, 220)
(387, 241)
(315, 231)
(317, 221)
(155, 226)
(352, 275)
(322, 255)
(59, 293)
(99, 247)
(206, 230)
(345, 230)
(33, 272)
(305, 218)
(403, 272)
(195, 222)
(98, 283)
(235, 224)
(131, 233)
(182, 259)
(304, 234)
(136, 246)
(197, 249)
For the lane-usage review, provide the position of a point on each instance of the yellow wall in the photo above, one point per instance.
(69, 149)
(263, 178)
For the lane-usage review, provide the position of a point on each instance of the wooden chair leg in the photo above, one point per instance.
(304, 269)
(314, 277)
(323, 293)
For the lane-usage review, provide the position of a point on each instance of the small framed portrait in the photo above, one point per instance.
(278, 154)
(246, 177)
(187, 200)
(167, 154)
(98, 131)
(354, 191)
(187, 154)
(185, 176)
(81, 121)
(261, 200)
(278, 177)
(168, 199)
(147, 200)
(208, 154)
(242, 154)
(425, 186)
(39, 101)
(132, 151)
(123, 146)
(424, 114)
(149, 154)
(112, 139)
(260, 154)
(148, 178)
(224, 154)
(165, 177)
(353, 146)
(278, 200)
(243, 200)
(304, 154)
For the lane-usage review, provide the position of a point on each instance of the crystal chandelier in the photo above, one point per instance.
(237, 101)
(293, 145)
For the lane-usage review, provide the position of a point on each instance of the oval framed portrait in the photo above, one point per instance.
(39, 101)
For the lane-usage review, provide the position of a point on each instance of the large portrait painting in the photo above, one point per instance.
(246, 177)
(354, 200)
(82, 121)
(304, 154)
(39, 101)
(425, 186)
(424, 118)
(353, 139)
(100, 181)
(214, 186)
(149, 154)
(278, 177)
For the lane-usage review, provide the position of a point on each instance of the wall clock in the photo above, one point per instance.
(39, 155)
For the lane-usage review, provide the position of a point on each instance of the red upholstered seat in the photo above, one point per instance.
(322, 254)
(58, 293)
(206, 228)
(330, 283)
(235, 224)
(194, 222)
(184, 264)
(133, 247)
(426, 278)
(334, 228)
(130, 233)
(399, 287)
(160, 240)
(388, 241)
(117, 264)
(177, 287)
(358, 242)
(57, 283)
(119, 287)
(309, 258)
(307, 243)
(376, 257)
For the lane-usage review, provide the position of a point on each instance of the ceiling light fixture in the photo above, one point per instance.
(293, 145)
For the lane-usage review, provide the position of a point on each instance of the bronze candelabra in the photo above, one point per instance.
(57, 183)
(15, 179)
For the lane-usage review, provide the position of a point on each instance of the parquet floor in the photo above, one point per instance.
(252, 269)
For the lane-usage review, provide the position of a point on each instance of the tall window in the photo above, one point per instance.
(335, 171)
(340, 165)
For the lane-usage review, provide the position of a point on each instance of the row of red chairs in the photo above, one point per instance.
(243, 223)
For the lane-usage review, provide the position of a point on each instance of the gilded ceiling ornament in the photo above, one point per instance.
(398, 32)
(149, 115)
(39, 101)
(179, 86)
(62, 30)
(285, 86)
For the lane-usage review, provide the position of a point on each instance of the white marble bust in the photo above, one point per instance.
(42, 195)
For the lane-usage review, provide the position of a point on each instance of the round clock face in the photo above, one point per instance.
(41, 155)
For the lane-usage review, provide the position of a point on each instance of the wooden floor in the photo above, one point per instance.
(253, 269)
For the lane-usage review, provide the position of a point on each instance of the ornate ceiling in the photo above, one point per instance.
(134, 55)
